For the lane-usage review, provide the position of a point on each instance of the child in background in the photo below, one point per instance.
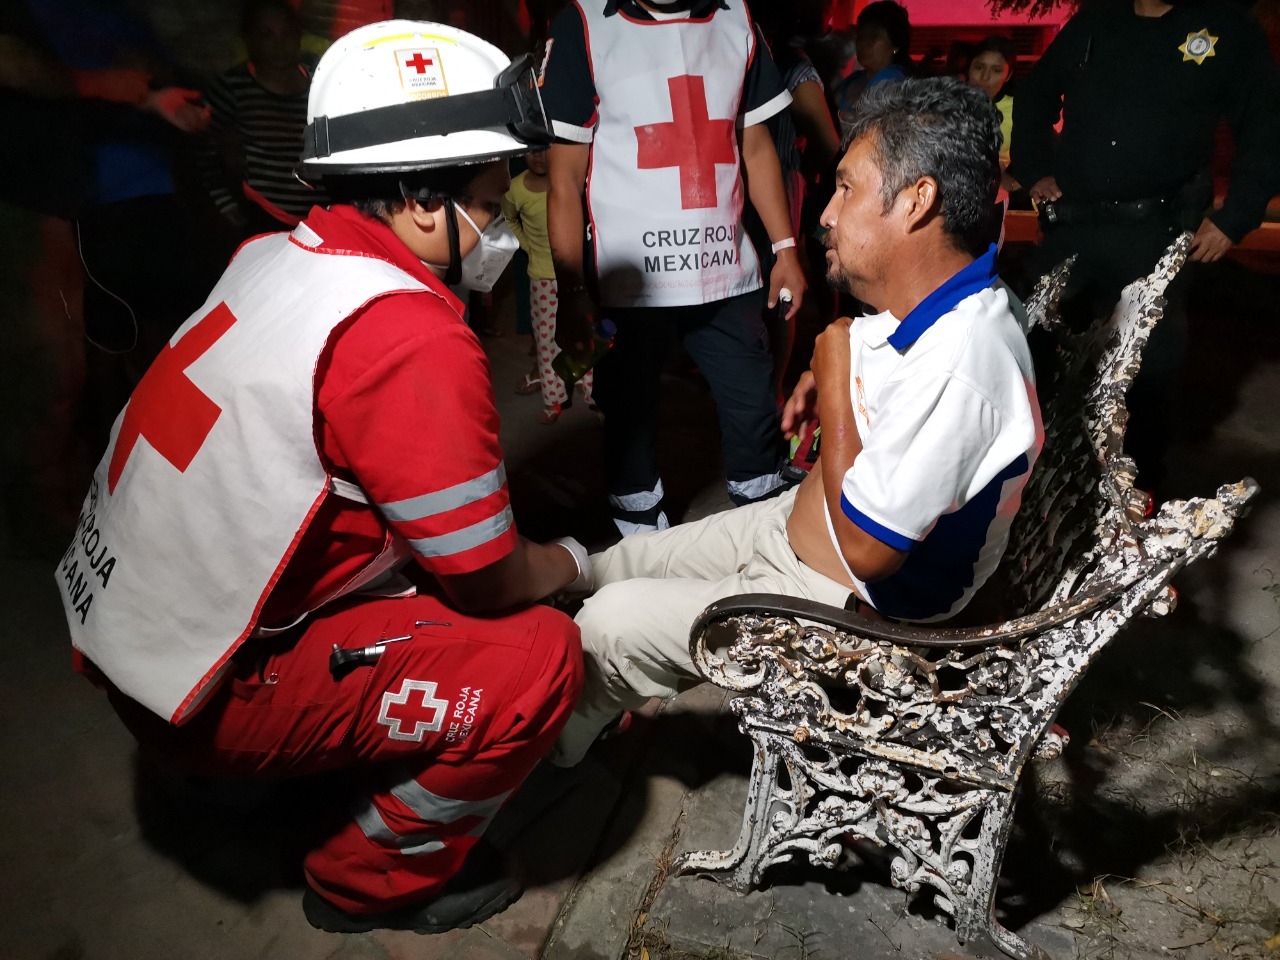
(525, 207)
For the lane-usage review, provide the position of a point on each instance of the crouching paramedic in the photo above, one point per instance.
(240, 580)
(930, 422)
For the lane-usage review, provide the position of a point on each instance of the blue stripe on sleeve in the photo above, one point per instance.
(877, 530)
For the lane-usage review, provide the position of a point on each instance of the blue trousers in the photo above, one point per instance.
(728, 341)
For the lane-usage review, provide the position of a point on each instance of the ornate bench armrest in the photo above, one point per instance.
(860, 629)
(1180, 533)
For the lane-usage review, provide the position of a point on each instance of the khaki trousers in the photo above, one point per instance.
(651, 587)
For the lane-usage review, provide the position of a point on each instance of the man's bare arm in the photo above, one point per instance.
(867, 557)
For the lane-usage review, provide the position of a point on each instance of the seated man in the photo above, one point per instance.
(930, 423)
(323, 419)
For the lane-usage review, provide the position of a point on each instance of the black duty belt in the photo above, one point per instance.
(1064, 212)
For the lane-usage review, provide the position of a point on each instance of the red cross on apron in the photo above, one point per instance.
(167, 409)
(691, 141)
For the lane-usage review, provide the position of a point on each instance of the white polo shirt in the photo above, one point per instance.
(946, 407)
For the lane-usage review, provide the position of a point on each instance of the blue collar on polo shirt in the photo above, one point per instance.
(974, 278)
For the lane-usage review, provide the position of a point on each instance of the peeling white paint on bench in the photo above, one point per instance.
(915, 738)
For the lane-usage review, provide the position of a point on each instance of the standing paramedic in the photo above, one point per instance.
(236, 581)
(930, 423)
(659, 111)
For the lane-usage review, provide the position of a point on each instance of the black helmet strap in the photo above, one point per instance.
(514, 104)
(453, 272)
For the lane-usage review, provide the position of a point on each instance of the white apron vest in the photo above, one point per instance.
(212, 474)
(664, 193)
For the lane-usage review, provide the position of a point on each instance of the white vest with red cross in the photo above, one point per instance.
(663, 193)
(212, 474)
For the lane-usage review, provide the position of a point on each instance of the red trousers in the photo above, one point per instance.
(449, 724)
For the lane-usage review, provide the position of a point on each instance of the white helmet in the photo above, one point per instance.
(401, 95)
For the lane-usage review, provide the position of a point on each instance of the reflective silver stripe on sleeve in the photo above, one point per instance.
(430, 806)
(442, 501)
(375, 828)
(347, 490)
(571, 131)
(447, 544)
(766, 110)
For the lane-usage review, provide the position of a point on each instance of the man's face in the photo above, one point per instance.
(860, 234)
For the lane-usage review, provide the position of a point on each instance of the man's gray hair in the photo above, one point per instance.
(939, 128)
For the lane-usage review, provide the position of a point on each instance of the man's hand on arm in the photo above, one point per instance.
(867, 557)
(526, 575)
(769, 197)
(1209, 243)
(566, 226)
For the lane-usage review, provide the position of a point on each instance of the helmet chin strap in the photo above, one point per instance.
(454, 271)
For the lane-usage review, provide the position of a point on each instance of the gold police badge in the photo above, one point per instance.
(1198, 46)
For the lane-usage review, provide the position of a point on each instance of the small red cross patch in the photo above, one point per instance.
(418, 63)
(691, 141)
(414, 707)
(167, 410)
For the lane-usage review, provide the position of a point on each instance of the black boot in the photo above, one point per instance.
(472, 895)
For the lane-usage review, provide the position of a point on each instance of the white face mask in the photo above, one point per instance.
(490, 256)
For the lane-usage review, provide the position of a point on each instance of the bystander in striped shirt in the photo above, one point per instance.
(254, 141)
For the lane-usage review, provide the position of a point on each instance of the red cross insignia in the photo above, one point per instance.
(414, 706)
(167, 410)
(421, 72)
(691, 141)
(418, 63)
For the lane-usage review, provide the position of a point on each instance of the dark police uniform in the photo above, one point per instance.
(1141, 99)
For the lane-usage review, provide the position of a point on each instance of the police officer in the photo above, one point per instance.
(656, 107)
(1142, 86)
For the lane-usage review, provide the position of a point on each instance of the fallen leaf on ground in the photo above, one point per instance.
(1189, 940)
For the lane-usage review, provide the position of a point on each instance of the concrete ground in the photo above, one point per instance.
(1156, 835)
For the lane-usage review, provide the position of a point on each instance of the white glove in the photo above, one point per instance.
(585, 581)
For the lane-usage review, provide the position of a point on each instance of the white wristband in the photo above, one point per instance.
(784, 244)
(585, 581)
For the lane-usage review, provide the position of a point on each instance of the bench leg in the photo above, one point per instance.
(975, 915)
(740, 868)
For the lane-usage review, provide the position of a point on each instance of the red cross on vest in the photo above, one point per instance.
(412, 712)
(167, 409)
(418, 63)
(691, 141)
